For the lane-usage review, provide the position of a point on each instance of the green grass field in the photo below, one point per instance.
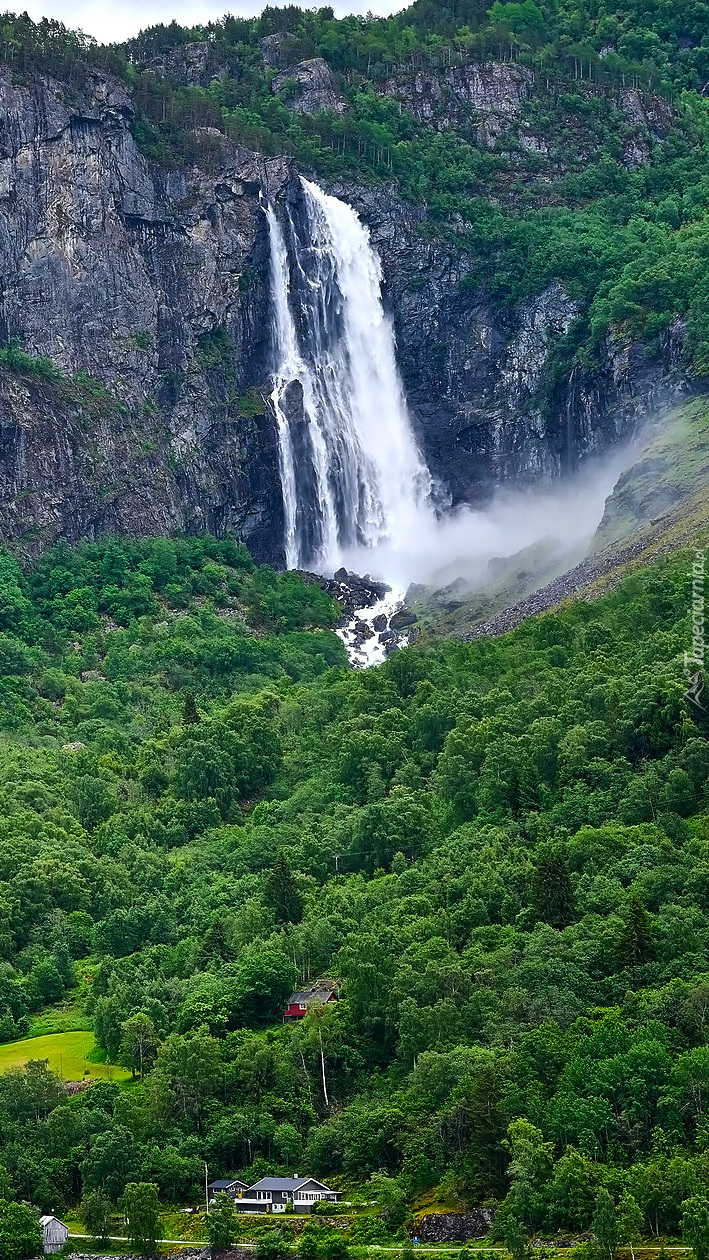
(67, 1053)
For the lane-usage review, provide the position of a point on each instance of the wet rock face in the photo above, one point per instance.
(156, 283)
(352, 591)
(385, 631)
(455, 1226)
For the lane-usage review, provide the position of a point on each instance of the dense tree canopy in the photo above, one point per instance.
(497, 848)
(500, 850)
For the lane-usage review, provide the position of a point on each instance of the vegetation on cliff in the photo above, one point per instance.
(581, 181)
(499, 849)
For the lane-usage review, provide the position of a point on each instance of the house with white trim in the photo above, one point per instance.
(303, 1192)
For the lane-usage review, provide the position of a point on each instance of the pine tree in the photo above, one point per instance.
(216, 946)
(485, 1159)
(552, 891)
(636, 934)
(189, 711)
(282, 893)
(527, 785)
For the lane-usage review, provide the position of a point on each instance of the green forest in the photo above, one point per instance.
(499, 849)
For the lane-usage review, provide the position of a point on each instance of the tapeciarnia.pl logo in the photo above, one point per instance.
(696, 656)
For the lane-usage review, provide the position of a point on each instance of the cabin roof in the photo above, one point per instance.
(321, 991)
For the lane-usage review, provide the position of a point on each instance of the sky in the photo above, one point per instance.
(118, 21)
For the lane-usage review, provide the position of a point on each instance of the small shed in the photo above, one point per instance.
(54, 1233)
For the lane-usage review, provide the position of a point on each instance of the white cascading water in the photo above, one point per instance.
(356, 490)
(351, 471)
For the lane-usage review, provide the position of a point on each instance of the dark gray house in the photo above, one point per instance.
(233, 1188)
(302, 1192)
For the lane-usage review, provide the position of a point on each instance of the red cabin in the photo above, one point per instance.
(322, 991)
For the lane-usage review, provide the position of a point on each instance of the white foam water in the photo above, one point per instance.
(356, 490)
(352, 474)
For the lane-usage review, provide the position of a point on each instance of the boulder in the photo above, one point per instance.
(362, 629)
(401, 619)
(440, 1227)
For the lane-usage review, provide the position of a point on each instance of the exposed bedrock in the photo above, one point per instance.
(156, 284)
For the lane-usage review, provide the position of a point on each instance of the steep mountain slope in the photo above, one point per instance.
(498, 848)
(153, 284)
(521, 215)
(660, 502)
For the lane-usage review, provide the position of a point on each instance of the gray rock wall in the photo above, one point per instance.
(473, 375)
(156, 284)
(436, 1227)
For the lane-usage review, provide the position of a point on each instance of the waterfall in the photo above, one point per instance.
(351, 471)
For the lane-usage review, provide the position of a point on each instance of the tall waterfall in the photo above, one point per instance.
(351, 470)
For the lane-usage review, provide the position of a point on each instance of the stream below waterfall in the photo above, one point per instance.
(367, 640)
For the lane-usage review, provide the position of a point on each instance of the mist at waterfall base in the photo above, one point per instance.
(356, 489)
(460, 544)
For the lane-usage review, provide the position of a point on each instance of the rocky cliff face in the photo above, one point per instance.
(485, 103)
(473, 376)
(156, 285)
